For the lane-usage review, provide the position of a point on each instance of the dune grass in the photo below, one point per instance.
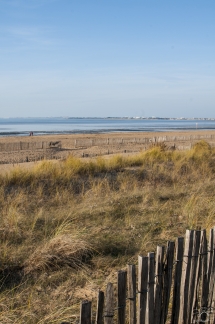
(67, 227)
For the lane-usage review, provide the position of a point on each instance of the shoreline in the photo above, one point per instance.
(106, 132)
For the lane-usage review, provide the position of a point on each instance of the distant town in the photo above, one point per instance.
(145, 118)
(125, 117)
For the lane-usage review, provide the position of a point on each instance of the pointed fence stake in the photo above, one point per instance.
(85, 313)
(109, 304)
(100, 307)
(142, 288)
(177, 280)
(158, 283)
(188, 249)
(168, 270)
(122, 287)
(150, 293)
(132, 293)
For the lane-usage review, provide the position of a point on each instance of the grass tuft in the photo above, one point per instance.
(60, 251)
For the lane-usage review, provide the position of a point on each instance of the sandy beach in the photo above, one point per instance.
(117, 143)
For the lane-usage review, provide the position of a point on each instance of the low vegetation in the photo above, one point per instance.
(65, 228)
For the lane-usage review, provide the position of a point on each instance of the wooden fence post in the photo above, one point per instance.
(142, 288)
(195, 307)
(211, 274)
(193, 275)
(186, 276)
(158, 283)
(150, 293)
(168, 269)
(132, 293)
(204, 257)
(177, 280)
(207, 277)
(122, 288)
(85, 313)
(109, 304)
(100, 306)
(213, 292)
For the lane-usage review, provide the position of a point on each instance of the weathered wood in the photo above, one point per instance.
(186, 276)
(142, 288)
(211, 271)
(100, 307)
(210, 279)
(210, 253)
(204, 267)
(122, 288)
(168, 269)
(193, 284)
(193, 274)
(177, 280)
(213, 293)
(109, 304)
(212, 320)
(196, 307)
(150, 293)
(85, 312)
(132, 293)
(158, 283)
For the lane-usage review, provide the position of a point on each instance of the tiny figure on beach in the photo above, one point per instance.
(31, 134)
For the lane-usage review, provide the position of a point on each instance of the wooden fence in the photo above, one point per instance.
(89, 142)
(175, 286)
(28, 146)
(82, 142)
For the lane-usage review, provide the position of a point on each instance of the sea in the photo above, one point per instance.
(60, 125)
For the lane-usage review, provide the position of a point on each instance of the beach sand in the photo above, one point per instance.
(10, 159)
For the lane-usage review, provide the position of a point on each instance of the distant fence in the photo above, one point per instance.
(27, 146)
(176, 286)
(89, 142)
(82, 142)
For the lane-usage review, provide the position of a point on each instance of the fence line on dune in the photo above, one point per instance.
(82, 142)
(36, 151)
(89, 142)
(27, 146)
(176, 286)
(21, 146)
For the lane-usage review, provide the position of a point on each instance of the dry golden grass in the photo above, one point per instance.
(61, 250)
(66, 227)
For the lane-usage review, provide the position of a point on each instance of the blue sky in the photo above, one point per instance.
(107, 58)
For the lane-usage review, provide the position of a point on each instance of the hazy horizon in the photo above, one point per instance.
(109, 117)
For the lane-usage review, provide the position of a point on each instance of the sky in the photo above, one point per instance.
(101, 58)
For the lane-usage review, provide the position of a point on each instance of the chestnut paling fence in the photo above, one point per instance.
(28, 151)
(26, 146)
(36, 151)
(174, 286)
(83, 142)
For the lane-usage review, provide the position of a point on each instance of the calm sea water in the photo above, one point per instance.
(42, 126)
